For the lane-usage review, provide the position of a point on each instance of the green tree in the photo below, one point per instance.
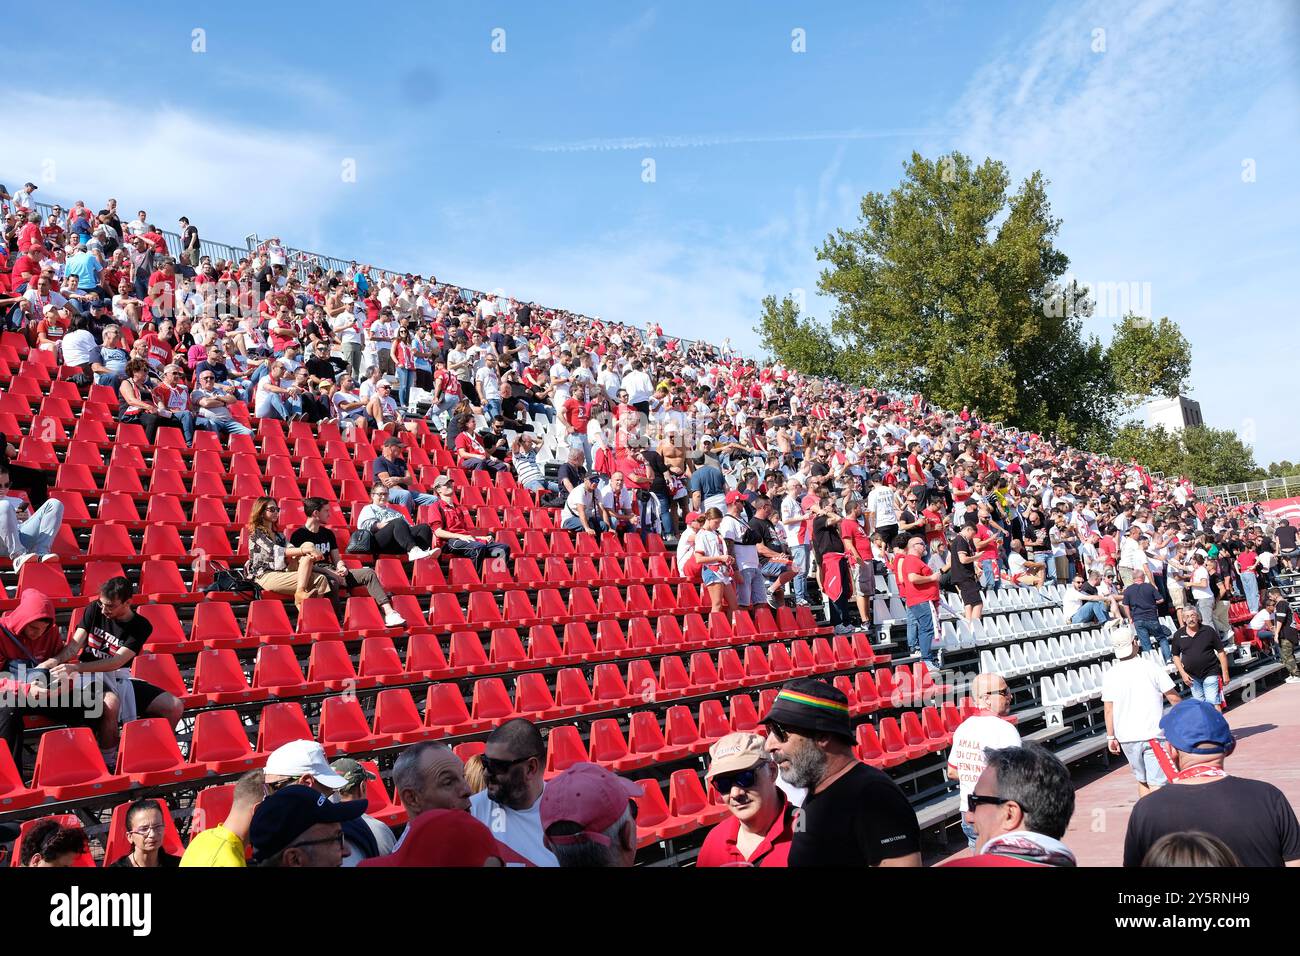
(800, 343)
(951, 286)
(1148, 359)
(1208, 456)
(1283, 469)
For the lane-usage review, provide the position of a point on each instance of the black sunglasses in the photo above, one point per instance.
(782, 733)
(496, 767)
(977, 799)
(744, 779)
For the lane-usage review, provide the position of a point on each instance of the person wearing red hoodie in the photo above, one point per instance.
(28, 638)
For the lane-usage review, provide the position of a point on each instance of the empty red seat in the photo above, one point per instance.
(215, 626)
(69, 765)
(149, 755)
(14, 795)
(380, 660)
(891, 737)
(713, 723)
(220, 743)
(914, 734)
(609, 689)
(445, 711)
(268, 622)
(277, 669)
(490, 701)
(645, 736)
(280, 723)
(162, 671)
(688, 800)
(608, 748)
(397, 717)
(344, 728)
(870, 751)
(744, 717)
(211, 807)
(330, 662)
(467, 654)
(424, 657)
(564, 748)
(654, 822)
(50, 580)
(533, 699)
(680, 729)
(161, 582)
(220, 678)
(572, 692)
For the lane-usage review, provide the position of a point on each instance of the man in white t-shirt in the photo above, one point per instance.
(1131, 556)
(1133, 693)
(883, 513)
(987, 729)
(514, 760)
(750, 588)
(616, 504)
(793, 519)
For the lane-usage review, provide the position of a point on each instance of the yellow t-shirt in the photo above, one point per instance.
(215, 847)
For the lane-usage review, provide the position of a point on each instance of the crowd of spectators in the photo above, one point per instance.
(768, 482)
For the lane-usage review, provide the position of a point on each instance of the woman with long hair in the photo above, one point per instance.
(715, 563)
(275, 566)
(136, 402)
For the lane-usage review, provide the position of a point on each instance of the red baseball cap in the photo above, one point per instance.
(443, 838)
(734, 496)
(589, 796)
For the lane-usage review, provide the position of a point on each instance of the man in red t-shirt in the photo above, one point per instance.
(919, 585)
(858, 547)
(576, 415)
(159, 350)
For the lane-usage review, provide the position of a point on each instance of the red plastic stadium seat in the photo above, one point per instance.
(277, 670)
(330, 662)
(645, 736)
(220, 743)
(344, 729)
(219, 677)
(445, 711)
(533, 699)
(279, 724)
(564, 748)
(268, 622)
(215, 626)
(379, 660)
(609, 748)
(14, 795)
(378, 803)
(150, 756)
(211, 807)
(397, 717)
(687, 799)
(654, 822)
(161, 671)
(69, 765)
(424, 657)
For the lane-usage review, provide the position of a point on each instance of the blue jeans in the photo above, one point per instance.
(491, 408)
(665, 515)
(989, 575)
(1045, 559)
(36, 534)
(1250, 585)
(410, 499)
(187, 425)
(920, 630)
(1093, 611)
(1208, 689)
(799, 553)
(1146, 630)
(574, 524)
(223, 426)
(405, 379)
(543, 408)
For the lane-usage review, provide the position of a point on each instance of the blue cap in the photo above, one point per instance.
(1197, 727)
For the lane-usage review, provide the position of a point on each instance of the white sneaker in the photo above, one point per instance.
(49, 557)
(1292, 680)
(21, 560)
(393, 619)
(415, 554)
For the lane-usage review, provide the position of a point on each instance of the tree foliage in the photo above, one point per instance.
(1149, 359)
(952, 285)
(1208, 456)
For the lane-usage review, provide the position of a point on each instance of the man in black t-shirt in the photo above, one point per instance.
(1284, 540)
(108, 637)
(1141, 605)
(331, 564)
(1288, 635)
(962, 573)
(1253, 818)
(572, 472)
(1200, 658)
(853, 815)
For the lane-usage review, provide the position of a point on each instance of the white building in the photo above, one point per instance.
(1174, 413)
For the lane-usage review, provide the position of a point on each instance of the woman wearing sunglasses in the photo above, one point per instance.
(760, 828)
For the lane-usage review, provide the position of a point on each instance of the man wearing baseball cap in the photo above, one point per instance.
(1252, 817)
(853, 815)
(297, 826)
(302, 762)
(761, 826)
(1133, 694)
(589, 817)
(365, 836)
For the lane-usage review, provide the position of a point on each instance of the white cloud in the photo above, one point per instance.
(229, 179)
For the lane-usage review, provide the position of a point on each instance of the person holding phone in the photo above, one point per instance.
(27, 534)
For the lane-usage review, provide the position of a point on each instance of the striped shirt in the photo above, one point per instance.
(526, 468)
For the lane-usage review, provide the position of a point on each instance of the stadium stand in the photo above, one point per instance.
(606, 642)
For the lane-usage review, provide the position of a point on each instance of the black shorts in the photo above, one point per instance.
(145, 694)
(971, 595)
(888, 532)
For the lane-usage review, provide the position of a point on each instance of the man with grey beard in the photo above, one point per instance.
(853, 815)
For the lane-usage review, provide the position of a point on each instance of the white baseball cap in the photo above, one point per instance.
(299, 757)
(1121, 640)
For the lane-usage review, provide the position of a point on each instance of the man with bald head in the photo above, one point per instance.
(1142, 606)
(429, 776)
(985, 730)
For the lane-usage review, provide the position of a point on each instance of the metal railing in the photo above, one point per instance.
(1254, 490)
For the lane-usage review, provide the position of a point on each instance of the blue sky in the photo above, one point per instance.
(523, 170)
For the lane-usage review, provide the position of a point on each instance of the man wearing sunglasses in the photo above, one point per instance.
(514, 759)
(853, 815)
(761, 826)
(1020, 809)
(976, 734)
